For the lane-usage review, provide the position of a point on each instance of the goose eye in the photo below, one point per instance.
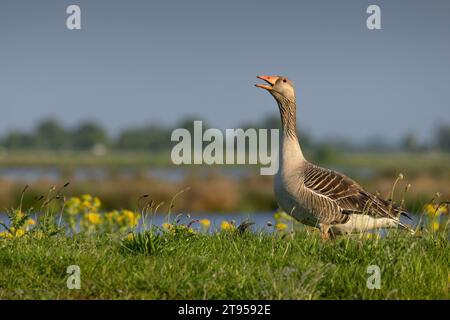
(284, 80)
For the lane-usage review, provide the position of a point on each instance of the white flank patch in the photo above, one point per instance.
(361, 223)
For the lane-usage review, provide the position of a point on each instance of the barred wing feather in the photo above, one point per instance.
(350, 197)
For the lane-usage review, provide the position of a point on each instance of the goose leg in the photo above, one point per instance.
(326, 232)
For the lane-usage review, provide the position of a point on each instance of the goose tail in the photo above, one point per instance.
(405, 227)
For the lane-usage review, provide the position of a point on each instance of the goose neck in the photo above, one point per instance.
(290, 145)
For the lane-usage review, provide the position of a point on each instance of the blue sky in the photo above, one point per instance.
(137, 62)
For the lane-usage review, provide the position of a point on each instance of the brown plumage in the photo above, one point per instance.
(347, 194)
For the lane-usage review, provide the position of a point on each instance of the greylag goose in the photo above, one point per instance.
(315, 196)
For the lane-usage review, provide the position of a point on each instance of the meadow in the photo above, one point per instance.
(120, 256)
(225, 265)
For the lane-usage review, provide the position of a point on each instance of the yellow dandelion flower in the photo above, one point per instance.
(129, 217)
(128, 214)
(73, 202)
(30, 222)
(96, 203)
(182, 228)
(129, 236)
(428, 209)
(93, 218)
(73, 205)
(205, 223)
(443, 209)
(5, 234)
(435, 225)
(226, 226)
(120, 218)
(85, 205)
(280, 226)
(435, 210)
(135, 220)
(19, 232)
(19, 214)
(86, 197)
(167, 226)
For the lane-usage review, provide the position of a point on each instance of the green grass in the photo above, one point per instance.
(226, 265)
(70, 159)
(431, 162)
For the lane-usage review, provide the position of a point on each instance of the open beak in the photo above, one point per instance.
(269, 79)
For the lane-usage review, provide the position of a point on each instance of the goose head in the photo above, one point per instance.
(281, 88)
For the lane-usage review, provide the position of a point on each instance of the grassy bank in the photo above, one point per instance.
(69, 159)
(412, 162)
(226, 265)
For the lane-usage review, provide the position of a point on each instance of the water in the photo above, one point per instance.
(171, 174)
(29, 174)
(260, 219)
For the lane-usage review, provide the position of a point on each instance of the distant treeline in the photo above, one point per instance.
(50, 134)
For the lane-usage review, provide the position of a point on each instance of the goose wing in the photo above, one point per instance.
(349, 196)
